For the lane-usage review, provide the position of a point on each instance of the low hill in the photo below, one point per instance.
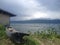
(38, 21)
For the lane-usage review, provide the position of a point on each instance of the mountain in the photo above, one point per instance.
(38, 21)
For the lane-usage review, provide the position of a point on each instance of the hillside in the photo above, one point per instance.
(38, 21)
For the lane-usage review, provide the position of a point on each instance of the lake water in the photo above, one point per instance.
(25, 28)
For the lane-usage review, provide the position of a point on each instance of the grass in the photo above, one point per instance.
(2, 31)
(31, 41)
(4, 40)
(48, 37)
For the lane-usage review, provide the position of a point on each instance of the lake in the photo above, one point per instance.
(33, 27)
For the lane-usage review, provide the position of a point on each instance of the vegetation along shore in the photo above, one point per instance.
(47, 37)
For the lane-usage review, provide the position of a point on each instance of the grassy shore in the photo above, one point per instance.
(4, 40)
(48, 37)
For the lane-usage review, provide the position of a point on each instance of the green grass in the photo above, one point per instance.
(49, 33)
(4, 40)
(31, 41)
(48, 37)
(2, 31)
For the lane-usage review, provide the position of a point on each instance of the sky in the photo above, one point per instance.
(32, 9)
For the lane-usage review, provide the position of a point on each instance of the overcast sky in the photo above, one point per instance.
(32, 9)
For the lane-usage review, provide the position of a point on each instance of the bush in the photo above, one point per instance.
(2, 31)
(30, 41)
(47, 34)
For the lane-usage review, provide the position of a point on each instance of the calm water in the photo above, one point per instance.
(25, 28)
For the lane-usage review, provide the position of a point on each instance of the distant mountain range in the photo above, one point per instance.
(38, 21)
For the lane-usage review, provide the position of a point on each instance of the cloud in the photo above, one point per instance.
(31, 9)
(54, 15)
(52, 5)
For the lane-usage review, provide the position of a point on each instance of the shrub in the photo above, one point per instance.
(30, 41)
(47, 34)
(2, 31)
